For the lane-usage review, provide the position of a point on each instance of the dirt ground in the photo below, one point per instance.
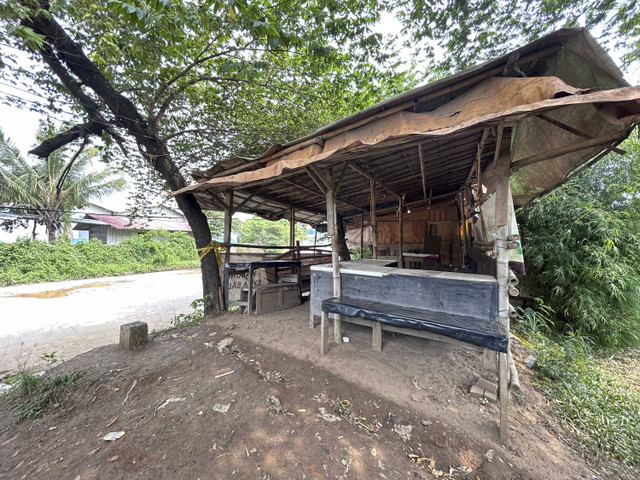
(343, 415)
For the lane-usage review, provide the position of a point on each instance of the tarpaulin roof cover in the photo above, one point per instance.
(559, 102)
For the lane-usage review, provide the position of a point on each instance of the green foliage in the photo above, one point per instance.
(476, 30)
(582, 250)
(215, 79)
(49, 358)
(258, 231)
(184, 320)
(31, 395)
(29, 261)
(355, 253)
(216, 223)
(602, 408)
(57, 182)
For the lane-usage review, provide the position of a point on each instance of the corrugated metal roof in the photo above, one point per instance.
(126, 223)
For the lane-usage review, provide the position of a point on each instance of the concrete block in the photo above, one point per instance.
(476, 391)
(492, 397)
(133, 335)
(487, 385)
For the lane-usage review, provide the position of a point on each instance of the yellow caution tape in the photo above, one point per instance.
(215, 247)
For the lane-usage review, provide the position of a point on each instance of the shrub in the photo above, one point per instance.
(602, 408)
(582, 258)
(29, 261)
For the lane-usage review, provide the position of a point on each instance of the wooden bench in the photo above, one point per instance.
(475, 331)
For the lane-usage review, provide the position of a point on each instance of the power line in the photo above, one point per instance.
(39, 104)
(112, 214)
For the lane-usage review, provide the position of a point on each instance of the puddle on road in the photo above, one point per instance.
(62, 292)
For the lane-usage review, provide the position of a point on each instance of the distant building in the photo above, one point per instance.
(112, 227)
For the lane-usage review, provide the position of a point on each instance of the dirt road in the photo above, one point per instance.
(74, 316)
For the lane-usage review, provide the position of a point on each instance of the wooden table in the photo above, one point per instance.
(448, 292)
(251, 267)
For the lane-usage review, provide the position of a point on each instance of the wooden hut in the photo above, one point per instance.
(440, 170)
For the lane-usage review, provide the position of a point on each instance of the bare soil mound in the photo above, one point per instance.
(257, 410)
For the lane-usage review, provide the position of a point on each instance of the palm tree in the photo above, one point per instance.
(54, 185)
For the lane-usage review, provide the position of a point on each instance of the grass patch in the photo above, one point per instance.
(601, 407)
(32, 395)
(29, 261)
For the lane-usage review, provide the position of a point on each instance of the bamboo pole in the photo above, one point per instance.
(400, 234)
(361, 235)
(228, 219)
(374, 221)
(332, 228)
(292, 227)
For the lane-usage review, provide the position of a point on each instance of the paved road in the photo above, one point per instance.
(74, 316)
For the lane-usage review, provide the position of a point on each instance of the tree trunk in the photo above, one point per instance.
(208, 264)
(51, 230)
(196, 218)
(70, 58)
(342, 240)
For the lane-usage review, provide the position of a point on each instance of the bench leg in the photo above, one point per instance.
(503, 381)
(489, 363)
(376, 341)
(324, 333)
(337, 328)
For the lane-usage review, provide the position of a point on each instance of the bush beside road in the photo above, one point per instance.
(29, 261)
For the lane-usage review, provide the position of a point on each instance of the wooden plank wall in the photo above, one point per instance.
(439, 221)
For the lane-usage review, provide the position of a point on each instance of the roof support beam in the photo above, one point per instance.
(565, 149)
(318, 194)
(244, 202)
(579, 170)
(423, 172)
(498, 143)
(341, 178)
(318, 178)
(574, 131)
(373, 177)
(485, 134)
(218, 202)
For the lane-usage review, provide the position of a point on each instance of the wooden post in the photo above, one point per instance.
(292, 227)
(503, 388)
(463, 230)
(400, 233)
(332, 228)
(361, 235)
(376, 339)
(324, 333)
(502, 275)
(374, 222)
(463, 206)
(429, 211)
(228, 218)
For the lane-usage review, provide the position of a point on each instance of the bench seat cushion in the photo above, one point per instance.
(467, 329)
